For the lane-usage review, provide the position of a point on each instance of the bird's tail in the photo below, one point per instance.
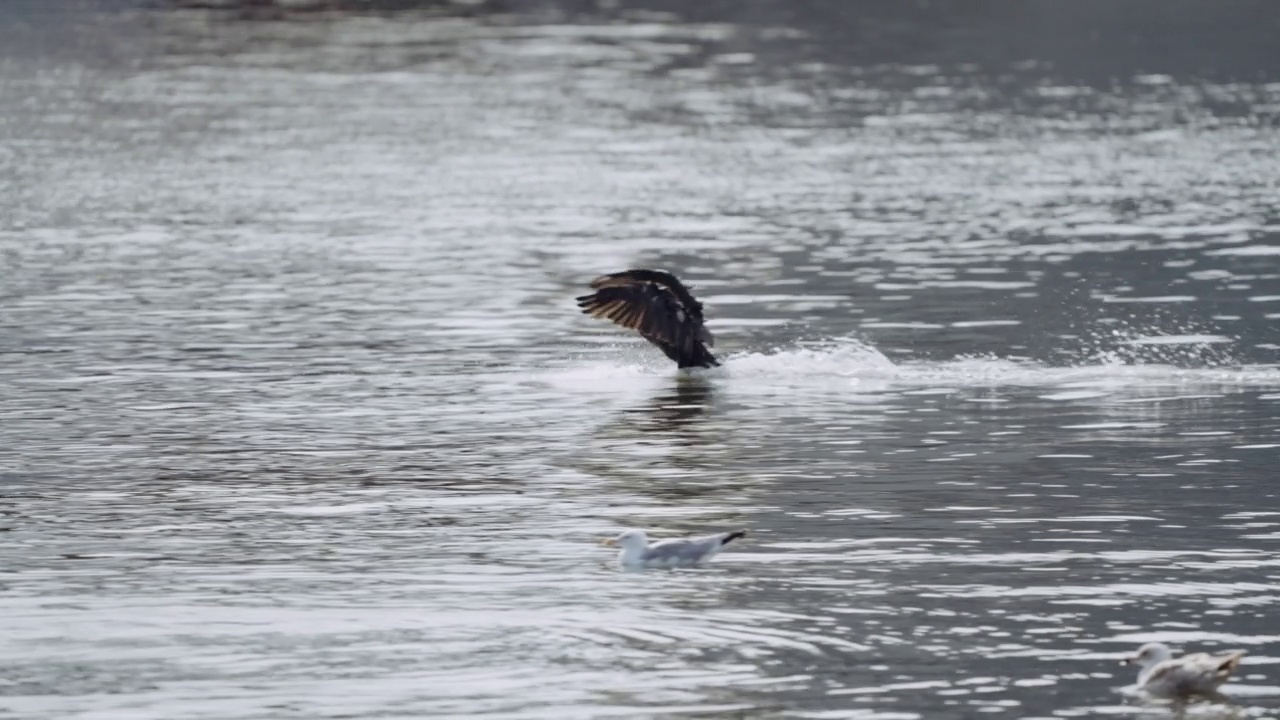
(1229, 663)
(730, 537)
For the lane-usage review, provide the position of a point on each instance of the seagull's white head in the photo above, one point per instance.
(1148, 655)
(633, 543)
(630, 541)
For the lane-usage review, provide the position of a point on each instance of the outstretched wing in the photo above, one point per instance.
(629, 277)
(643, 307)
(655, 304)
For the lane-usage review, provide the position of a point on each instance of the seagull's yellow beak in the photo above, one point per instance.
(609, 542)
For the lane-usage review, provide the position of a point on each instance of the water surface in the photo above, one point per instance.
(299, 418)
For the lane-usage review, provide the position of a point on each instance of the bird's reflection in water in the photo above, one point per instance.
(680, 405)
(668, 447)
(1216, 706)
(676, 415)
(1209, 707)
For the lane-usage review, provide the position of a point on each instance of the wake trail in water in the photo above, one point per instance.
(855, 364)
(857, 360)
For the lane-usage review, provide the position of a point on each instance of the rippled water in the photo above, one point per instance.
(299, 418)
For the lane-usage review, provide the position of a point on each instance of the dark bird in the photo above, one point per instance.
(658, 306)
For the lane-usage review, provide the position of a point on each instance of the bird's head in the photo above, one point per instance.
(628, 539)
(1148, 655)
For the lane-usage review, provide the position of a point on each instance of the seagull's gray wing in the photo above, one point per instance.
(688, 550)
(1197, 673)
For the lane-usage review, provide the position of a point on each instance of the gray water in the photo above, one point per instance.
(299, 420)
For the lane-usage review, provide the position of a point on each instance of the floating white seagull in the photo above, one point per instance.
(658, 306)
(1166, 677)
(636, 551)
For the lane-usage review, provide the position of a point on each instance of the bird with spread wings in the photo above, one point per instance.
(658, 306)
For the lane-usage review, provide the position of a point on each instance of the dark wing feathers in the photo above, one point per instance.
(631, 277)
(643, 308)
(656, 305)
(664, 279)
(614, 280)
